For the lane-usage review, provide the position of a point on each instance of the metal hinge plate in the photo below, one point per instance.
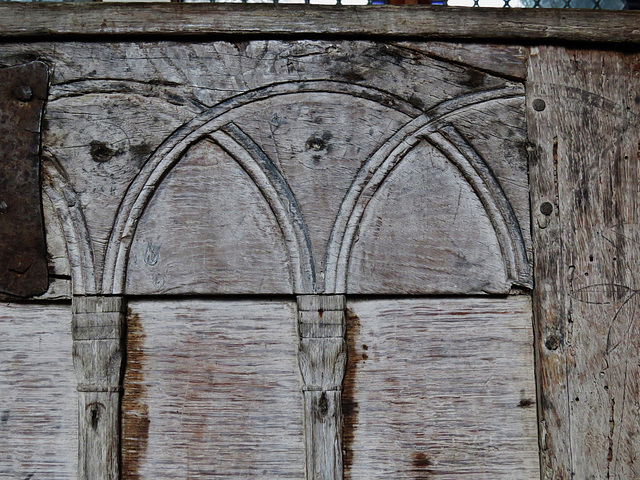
(23, 250)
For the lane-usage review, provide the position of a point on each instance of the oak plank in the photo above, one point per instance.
(212, 389)
(440, 387)
(509, 61)
(104, 19)
(38, 413)
(585, 112)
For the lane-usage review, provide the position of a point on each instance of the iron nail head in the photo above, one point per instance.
(546, 208)
(23, 93)
(539, 105)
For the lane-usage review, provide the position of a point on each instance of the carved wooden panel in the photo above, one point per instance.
(345, 157)
(213, 203)
(231, 197)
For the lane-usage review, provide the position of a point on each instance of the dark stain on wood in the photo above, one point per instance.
(135, 412)
(141, 151)
(526, 403)
(101, 152)
(421, 466)
(350, 407)
(353, 76)
(4, 418)
(475, 78)
(94, 412)
(321, 409)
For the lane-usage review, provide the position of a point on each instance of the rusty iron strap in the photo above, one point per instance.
(23, 251)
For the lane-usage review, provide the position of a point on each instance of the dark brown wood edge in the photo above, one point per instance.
(103, 21)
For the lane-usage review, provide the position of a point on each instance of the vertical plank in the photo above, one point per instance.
(323, 359)
(584, 124)
(548, 301)
(98, 332)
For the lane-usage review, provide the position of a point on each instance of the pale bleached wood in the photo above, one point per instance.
(212, 389)
(584, 116)
(233, 242)
(440, 387)
(426, 230)
(98, 340)
(385, 21)
(94, 144)
(313, 123)
(38, 413)
(549, 303)
(505, 60)
(323, 358)
(56, 245)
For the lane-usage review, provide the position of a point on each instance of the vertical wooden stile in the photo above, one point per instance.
(583, 112)
(322, 357)
(98, 337)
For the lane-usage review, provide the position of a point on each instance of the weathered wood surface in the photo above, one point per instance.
(98, 327)
(440, 388)
(212, 389)
(323, 359)
(508, 61)
(38, 413)
(102, 20)
(309, 132)
(584, 117)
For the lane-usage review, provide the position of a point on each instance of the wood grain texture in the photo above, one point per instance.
(98, 339)
(584, 111)
(287, 20)
(504, 60)
(426, 229)
(38, 413)
(233, 242)
(212, 390)
(440, 388)
(95, 144)
(141, 137)
(302, 141)
(322, 357)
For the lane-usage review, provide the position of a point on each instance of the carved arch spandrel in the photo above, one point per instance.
(373, 172)
(214, 120)
(475, 171)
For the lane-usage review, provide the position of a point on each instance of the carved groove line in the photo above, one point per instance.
(505, 223)
(376, 169)
(77, 240)
(278, 195)
(172, 149)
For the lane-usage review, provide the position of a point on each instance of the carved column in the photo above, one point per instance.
(322, 358)
(98, 345)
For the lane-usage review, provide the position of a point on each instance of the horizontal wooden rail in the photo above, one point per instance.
(26, 20)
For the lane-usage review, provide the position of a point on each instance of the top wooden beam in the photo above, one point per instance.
(109, 20)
